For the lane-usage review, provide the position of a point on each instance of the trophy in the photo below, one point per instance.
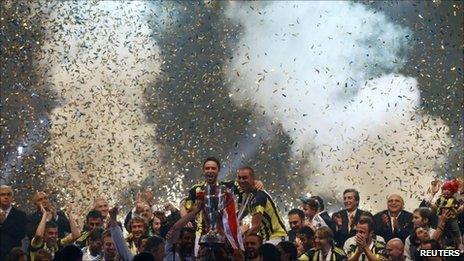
(214, 204)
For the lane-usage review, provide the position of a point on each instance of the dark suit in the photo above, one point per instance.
(12, 231)
(33, 221)
(405, 226)
(327, 219)
(343, 234)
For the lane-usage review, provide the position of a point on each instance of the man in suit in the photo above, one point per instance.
(346, 220)
(394, 221)
(40, 199)
(12, 222)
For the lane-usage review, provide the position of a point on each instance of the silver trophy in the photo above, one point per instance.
(214, 204)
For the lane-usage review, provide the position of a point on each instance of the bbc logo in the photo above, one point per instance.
(440, 252)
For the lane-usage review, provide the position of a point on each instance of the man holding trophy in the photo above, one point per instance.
(214, 206)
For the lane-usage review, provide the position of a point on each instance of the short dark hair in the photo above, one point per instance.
(15, 254)
(250, 169)
(289, 248)
(425, 213)
(433, 243)
(257, 236)
(356, 193)
(94, 214)
(153, 242)
(321, 202)
(367, 220)
(186, 230)
(69, 252)
(144, 256)
(312, 203)
(297, 211)
(306, 232)
(269, 252)
(51, 224)
(96, 234)
(212, 159)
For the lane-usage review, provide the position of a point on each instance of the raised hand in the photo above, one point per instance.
(259, 185)
(385, 219)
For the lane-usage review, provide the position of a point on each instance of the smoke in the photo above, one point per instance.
(100, 59)
(329, 72)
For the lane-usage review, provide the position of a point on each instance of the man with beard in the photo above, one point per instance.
(39, 199)
(346, 220)
(252, 244)
(46, 235)
(394, 221)
(211, 168)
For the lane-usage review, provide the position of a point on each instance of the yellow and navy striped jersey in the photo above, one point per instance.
(201, 228)
(259, 202)
(336, 254)
(447, 203)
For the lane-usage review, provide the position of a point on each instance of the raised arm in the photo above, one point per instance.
(174, 232)
(256, 220)
(118, 238)
(39, 232)
(75, 231)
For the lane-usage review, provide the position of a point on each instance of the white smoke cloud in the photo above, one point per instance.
(328, 72)
(99, 58)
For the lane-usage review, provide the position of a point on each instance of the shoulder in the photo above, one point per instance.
(18, 213)
(339, 251)
(312, 252)
(361, 212)
(228, 183)
(349, 243)
(380, 212)
(379, 244)
(406, 213)
(260, 195)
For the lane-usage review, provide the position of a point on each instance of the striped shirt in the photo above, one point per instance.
(259, 202)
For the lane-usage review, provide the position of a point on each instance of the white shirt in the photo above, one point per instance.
(88, 257)
(7, 211)
(391, 219)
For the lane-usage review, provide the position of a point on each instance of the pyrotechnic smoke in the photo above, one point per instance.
(99, 58)
(329, 73)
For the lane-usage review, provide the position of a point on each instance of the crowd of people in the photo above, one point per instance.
(237, 220)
